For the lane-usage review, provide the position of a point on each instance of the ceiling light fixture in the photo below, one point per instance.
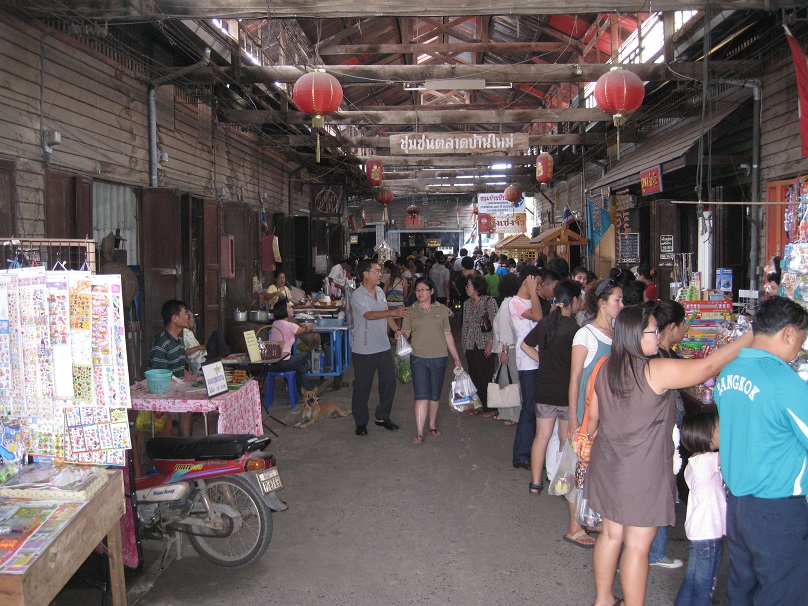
(457, 84)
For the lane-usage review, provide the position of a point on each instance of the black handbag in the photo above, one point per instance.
(485, 323)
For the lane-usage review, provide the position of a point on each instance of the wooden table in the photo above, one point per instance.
(47, 575)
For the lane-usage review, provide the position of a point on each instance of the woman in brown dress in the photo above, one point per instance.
(630, 480)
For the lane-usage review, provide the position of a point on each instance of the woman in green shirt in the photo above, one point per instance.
(492, 279)
(428, 328)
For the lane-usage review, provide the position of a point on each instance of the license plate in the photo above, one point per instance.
(270, 480)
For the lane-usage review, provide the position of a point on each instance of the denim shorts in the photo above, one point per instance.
(427, 377)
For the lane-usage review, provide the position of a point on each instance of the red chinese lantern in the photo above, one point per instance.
(317, 94)
(412, 209)
(384, 195)
(619, 92)
(544, 167)
(513, 194)
(374, 171)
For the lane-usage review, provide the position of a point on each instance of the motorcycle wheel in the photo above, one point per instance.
(245, 545)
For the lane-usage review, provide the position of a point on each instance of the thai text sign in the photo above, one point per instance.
(452, 143)
(515, 224)
(651, 181)
(497, 205)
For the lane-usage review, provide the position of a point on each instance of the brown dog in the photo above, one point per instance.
(314, 410)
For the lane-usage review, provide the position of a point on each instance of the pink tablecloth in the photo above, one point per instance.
(239, 411)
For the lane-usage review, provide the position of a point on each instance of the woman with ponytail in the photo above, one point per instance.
(553, 337)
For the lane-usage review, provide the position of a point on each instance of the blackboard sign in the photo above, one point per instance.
(629, 249)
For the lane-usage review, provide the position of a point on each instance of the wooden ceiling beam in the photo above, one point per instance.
(423, 118)
(503, 48)
(521, 73)
(160, 10)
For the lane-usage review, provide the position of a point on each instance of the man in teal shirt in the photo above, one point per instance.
(763, 436)
(168, 349)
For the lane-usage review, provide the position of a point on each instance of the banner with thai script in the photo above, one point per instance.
(452, 143)
(514, 224)
(495, 204)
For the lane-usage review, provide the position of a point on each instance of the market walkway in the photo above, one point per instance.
(376, 520)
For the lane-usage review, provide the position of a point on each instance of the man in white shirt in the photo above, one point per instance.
(339, 273)
(440, 276)
(459, 260)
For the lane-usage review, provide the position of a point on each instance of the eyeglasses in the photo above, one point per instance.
(607, 283)
(651, 332)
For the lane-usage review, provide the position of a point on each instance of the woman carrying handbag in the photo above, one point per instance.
(479, 312)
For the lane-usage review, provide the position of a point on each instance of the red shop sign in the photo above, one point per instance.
(651, 181)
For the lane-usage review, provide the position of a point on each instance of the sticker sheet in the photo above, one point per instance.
(63, 364)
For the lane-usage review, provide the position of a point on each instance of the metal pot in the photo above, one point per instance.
(258, 315)
(239, 316)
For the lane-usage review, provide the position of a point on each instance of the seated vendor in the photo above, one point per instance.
(286, 331)
(168, 350)
(193, 350)
(277, 291)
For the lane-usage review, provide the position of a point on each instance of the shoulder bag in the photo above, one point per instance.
(582, 441)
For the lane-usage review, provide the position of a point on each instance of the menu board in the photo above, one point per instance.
(629, 248)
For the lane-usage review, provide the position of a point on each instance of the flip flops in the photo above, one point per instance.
(435, 433)
(579, 539)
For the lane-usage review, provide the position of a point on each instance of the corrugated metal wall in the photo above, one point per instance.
(115, 207)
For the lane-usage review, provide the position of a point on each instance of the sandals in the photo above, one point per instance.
(475, 412)
(418, 440)
(536, 488)
(435, 432)
(491, 415)
(510, 423)
(580, 539)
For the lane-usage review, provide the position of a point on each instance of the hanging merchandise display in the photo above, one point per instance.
(544, 168)
(385, 252)
(794, 277)
(64, 333)
(317, 94)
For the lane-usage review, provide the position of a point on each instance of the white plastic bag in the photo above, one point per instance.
(564, 478)
(464, 394)
(584, 514)
(403, 347)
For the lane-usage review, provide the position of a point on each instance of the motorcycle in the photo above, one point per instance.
(220, 490)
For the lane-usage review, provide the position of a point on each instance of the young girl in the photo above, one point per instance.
(706, 510)
(553, 337)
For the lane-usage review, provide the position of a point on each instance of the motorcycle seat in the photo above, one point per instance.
(219, 446)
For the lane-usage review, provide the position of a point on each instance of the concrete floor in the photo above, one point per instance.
(377, 520)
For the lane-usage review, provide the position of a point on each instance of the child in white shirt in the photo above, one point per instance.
(705, 524)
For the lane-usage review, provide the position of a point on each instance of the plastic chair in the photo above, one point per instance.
(291, 383)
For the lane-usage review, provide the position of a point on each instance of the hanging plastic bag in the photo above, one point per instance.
(403, 370)
(403, 347)
(584, 514)
(564, 477)
(464, 394)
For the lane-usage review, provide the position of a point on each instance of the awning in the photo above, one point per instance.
(667, 147)
(559, 236)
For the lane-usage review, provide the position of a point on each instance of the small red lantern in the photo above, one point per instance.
(374, 171)
(384, 195)
(544, 167)
(412, 209)
(513, 194)
(317, 94)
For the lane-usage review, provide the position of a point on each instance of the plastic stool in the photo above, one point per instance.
(291, 383)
